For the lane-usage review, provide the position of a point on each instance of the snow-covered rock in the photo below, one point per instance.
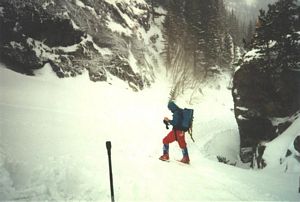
(267, 83)
(271, 104)
(105, 37)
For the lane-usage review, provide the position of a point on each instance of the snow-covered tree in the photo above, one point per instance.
(277, 34)
(198, 36)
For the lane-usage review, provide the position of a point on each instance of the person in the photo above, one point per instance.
(176, 134)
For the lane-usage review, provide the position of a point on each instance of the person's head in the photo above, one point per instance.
(172, 106)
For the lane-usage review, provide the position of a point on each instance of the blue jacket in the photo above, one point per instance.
(177, 115)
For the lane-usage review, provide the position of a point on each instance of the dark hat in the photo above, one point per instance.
(172, 106)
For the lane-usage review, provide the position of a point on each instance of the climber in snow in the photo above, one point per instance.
(176, 134)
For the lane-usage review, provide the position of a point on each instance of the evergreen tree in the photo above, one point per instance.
(250, 31)
(199, 34)
(285, 26)
(228, 52)
(195, 41)
(277, 34)
(174, 30)
(234, 28)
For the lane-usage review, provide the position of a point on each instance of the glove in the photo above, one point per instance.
(166, 123)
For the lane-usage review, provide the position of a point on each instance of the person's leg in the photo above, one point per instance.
(181, 139)
(166, 149)
(182, 145)
(166, 141)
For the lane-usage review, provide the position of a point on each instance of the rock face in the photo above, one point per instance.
(264, 103)
(297, 144)
(266, 86)
(259, 98)
(291, 160)
(103, 37)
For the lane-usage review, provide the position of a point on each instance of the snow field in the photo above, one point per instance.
(53, 134)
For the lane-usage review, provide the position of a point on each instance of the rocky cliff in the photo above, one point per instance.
(108, 38)
(264, 106)
(266, 86)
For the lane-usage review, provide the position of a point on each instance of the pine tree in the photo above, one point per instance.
(228, 52)
(250, 31)
(196, 38)
(234, 28)
(199, 34)
(285, 25)
(173, 31)
(277, 34)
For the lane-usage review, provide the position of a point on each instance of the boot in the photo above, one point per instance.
(165, 155)
(185, 158)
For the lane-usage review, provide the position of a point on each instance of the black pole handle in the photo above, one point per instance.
(108, 147)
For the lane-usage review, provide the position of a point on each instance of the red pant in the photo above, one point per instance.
(179, 137)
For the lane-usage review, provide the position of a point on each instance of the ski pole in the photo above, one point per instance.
(192, 137)
(190, 131)
(108, 147)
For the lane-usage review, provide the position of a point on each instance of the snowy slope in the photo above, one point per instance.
(53, 134)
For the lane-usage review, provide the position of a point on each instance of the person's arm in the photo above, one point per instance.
(174, 121)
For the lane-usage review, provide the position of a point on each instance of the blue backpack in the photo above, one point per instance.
(187, 119)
